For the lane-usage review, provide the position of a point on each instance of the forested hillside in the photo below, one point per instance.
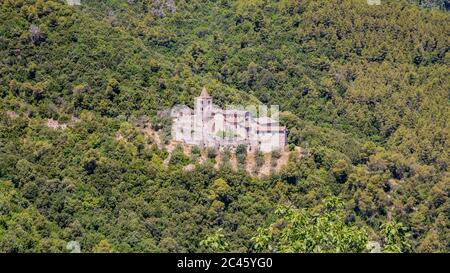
(364, 91)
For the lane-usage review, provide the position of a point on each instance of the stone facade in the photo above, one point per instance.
(210, 126)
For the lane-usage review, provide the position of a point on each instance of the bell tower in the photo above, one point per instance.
(203, 104)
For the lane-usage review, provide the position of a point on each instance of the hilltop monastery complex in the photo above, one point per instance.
(210, 126)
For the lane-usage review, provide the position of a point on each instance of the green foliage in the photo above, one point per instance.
(241, 153)
(103, 247)
(178, 157)
(309, 231)
(259, 159)
(211, 153)
(219, 189)
(163, 125)
(363, 90)
(227, 134)
(195, 154)
(215, 242)
(225, 157)
(396, 237)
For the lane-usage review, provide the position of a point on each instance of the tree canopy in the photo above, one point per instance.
(363, 90)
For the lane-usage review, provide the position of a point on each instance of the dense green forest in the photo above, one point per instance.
(364, 91)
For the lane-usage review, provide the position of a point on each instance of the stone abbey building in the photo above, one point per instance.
(210, 126)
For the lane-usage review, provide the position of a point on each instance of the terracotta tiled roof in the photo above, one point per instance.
(204, 93)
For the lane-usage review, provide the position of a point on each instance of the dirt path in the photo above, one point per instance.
(300, 152)
(171, 146)
(283, 160)
(157, 140)
(267, 166)
(203, 157)
(218, 161)
(250, 163)
(189, 167)
(233, 161)
(186, 149)
(148, 131)
(12, 114)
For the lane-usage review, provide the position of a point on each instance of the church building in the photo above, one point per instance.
(207, 125)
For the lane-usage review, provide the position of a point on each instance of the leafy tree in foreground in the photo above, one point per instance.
(396, 235)
(304, 230)
(215, 242)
